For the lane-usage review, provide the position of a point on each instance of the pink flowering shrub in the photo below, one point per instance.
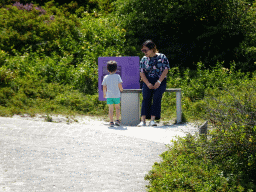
(31, 27)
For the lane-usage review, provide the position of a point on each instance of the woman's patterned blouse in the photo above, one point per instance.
(154, 67)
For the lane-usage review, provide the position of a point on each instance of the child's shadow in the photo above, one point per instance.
(118, 128)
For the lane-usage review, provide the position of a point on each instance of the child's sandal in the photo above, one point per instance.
(112, 124)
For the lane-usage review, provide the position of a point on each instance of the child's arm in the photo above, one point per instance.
(120, 87)
(104, 91)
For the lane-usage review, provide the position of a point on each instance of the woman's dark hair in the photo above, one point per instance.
(151, 45)
(111, 66)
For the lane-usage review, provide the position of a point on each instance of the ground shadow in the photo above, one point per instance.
(170, 126)
(119, 128)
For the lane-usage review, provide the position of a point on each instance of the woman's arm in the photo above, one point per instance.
(145, 80)
(163, 75)
(157, 84)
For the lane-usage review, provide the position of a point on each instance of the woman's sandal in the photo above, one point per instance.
(117, 123)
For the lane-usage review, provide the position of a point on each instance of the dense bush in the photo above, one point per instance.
(195, 84)
(223, 162)
(48, 64)
(192, 31)
(29, 27)
(186, 168)
(33, 96)
(71, 6)
(68, 61)
(233, 140)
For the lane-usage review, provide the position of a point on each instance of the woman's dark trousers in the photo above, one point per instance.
(152, 109)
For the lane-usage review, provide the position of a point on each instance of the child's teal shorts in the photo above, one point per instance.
(111, 101)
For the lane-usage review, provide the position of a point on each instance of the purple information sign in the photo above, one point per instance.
(127, 68)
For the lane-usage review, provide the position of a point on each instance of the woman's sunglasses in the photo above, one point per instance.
(144, 50)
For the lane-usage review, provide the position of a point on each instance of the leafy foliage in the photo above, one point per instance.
(196, 84)
(26, 28)
(48, 64)
(233, 141)
(191, 31)
(186, 168)
(99, 37)
(223, 162)
(59, 66)
(75, 7)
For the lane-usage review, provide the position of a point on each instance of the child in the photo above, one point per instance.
(112, 85)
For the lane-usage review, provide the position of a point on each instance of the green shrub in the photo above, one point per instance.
(196, 84)
(6, 76)
(6, 93)
(82, 104)
(42, 29)
(188, 165)
(233, 143)
(3, 56)
(71, 6)
(185, 168)
(100, 37)
(226, 160)
(216, 31)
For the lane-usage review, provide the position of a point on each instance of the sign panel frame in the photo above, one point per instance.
(127, 68)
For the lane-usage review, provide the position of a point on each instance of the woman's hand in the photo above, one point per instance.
(157, 84)
(150, 86)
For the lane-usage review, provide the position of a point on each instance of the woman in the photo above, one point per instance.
(154, 67)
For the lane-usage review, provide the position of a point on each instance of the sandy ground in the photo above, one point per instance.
(80, 154)
(162, 133)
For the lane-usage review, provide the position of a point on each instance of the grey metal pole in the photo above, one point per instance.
(178, 107)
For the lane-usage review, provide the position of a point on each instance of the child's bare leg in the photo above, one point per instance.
(111, 109)
(117, 106)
